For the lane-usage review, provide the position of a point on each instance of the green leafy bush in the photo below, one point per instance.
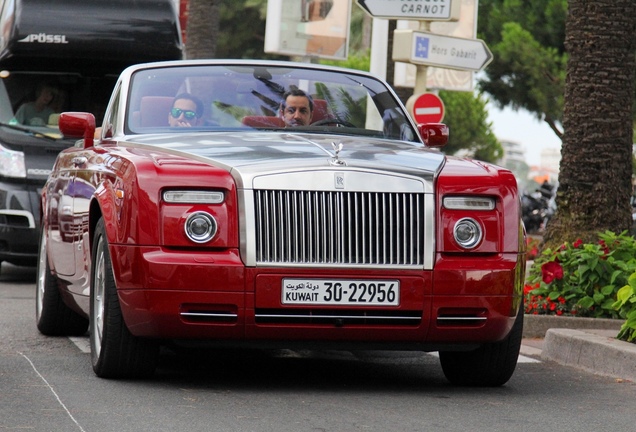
(626, 305)
(584, 279)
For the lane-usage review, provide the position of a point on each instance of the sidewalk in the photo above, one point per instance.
(585, 343)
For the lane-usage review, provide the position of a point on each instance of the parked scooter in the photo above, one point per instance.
(538, 207)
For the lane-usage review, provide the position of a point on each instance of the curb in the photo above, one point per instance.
(536, 326)
(596, 351)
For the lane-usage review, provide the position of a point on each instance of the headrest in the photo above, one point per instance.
(263, 121)
(154, 110)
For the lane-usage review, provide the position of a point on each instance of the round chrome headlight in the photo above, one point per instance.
(467, 233)
(200, 227)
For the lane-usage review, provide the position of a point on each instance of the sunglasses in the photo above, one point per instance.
(176, 113)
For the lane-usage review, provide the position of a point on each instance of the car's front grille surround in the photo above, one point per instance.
(352, 228)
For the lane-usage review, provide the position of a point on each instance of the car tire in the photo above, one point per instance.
(53, 317)
(491, 365)
(115, 352)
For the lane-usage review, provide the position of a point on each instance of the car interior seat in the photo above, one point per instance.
(259, 121)
(154, 111)
(321, 111)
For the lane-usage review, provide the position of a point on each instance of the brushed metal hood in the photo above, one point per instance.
(248, 155)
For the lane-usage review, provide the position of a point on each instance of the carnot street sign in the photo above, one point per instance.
(428, 108)
(421, 10)
(441, 51)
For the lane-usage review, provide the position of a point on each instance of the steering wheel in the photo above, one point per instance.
(335, 121)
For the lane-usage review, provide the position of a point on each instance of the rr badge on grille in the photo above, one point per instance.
(339, 182)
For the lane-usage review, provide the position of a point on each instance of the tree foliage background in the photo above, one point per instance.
(529, 57)
(528, 71)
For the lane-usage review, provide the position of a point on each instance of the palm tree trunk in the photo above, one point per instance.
(596, 164)
(202, 29)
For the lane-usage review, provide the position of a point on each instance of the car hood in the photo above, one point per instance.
(250, 154)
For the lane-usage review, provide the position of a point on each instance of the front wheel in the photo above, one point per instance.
(115, 352)
(491, 365)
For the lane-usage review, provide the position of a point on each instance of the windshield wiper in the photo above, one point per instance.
(32, 132)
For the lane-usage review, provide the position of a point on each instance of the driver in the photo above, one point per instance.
(186, 111)
(296, 108)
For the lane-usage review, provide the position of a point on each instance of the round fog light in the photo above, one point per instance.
(200, 227)
(467, 233)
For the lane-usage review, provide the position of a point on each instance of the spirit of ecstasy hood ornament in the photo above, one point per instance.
(336, 155)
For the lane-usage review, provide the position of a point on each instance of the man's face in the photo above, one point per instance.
(46, 96)
(183, 113)
(296, 111)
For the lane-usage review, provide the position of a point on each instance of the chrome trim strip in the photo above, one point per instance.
(357, 180)
(429, 243)
(342, 265)
(208, 315)
(247, 231)
(451, 318)
(354, 317)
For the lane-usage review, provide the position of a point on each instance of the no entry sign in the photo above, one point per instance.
(428, 108)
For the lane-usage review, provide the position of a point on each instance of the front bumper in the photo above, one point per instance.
(211, 296)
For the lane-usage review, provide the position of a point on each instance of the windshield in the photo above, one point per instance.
(221, 97)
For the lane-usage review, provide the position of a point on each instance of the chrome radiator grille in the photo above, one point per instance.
(339, 228)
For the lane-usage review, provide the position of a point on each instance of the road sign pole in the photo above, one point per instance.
(421, 76)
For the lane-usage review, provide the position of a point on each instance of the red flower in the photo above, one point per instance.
(577, 243)
(550, 271)
(606, 250)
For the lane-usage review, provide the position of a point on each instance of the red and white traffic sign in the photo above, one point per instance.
(428, 108)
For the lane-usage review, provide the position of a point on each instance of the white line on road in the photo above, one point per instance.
(520, 359)
(530, 351)
(53, 391)
(83, 343)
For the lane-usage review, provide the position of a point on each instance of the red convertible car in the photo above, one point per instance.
(343, 228)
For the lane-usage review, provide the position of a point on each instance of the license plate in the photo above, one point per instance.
(341, 292)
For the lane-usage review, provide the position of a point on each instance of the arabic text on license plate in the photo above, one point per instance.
(341, 292)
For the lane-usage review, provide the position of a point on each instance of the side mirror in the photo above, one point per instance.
(433, 134)
(78, 125)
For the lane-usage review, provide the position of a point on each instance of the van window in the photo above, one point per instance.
(67, 92)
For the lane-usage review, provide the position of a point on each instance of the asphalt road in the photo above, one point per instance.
(46, 384)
